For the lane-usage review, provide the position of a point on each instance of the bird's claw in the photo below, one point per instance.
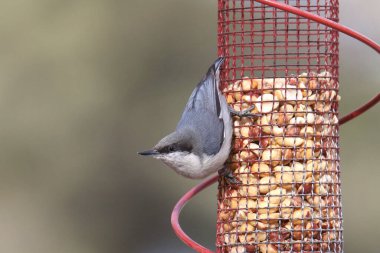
(244, 113)
(229, 177)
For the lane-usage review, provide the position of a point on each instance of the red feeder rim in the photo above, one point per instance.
(198, 188)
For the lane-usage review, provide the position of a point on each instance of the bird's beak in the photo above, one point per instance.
(149, 152)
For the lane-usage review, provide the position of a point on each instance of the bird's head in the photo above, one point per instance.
(173, 148)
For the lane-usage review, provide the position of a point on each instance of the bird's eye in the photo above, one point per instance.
(171, 148)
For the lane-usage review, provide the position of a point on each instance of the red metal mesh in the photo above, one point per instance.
(288, 158)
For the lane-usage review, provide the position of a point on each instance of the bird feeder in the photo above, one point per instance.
(288, 158)
(282, 57)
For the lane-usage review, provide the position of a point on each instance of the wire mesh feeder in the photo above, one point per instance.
(288, 158)
(286, 64)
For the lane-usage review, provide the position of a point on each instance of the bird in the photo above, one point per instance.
(201, 142)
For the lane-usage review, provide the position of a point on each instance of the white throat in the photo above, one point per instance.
(184, 163)
(191, 165)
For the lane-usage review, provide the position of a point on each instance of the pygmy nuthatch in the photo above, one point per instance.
(201, 143)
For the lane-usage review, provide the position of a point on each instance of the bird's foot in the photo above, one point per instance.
(228, 176)
(244, 113)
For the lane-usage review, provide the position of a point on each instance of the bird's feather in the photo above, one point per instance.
(205, 95)
(204, 103)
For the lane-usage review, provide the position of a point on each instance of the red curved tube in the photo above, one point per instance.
(177, 210)
(360, 110)
(194, 191)
(327, 22)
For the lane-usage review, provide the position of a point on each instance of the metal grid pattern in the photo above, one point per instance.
(288, 158)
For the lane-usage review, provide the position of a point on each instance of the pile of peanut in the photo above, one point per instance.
(287, 161)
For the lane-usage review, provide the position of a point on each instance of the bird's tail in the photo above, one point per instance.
(218, 62)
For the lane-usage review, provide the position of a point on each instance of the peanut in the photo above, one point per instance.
(267, 184)
(275, 196)
(261, 169)
(268, 248)
(265, 206)
(246, 84)
(286, 162)
(266, 103)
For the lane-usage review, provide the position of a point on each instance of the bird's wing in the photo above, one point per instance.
(203, 110)
(206, 95)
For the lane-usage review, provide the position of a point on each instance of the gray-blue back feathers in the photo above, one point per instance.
(203, 111)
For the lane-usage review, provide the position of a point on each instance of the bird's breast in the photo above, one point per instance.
(192, 166)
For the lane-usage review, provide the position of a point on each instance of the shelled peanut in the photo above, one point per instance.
(287, 161)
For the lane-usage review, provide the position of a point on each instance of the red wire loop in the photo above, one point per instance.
(360, 110)
(341, 28)
(177, 210)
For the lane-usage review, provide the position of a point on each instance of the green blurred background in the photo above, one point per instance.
(84, 85)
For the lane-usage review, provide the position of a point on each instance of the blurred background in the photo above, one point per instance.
(84, 85)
